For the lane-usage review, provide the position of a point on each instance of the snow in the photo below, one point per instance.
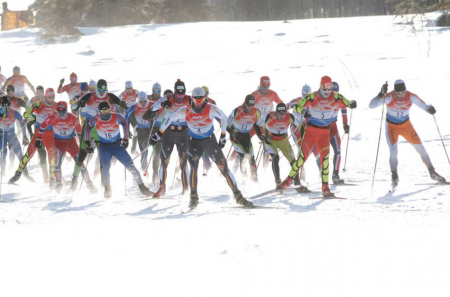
(373, 244)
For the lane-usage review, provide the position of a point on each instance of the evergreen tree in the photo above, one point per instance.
(176, 11)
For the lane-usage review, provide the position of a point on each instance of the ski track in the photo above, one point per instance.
(372, 244)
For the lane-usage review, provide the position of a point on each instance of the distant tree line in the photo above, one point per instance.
(61, 17)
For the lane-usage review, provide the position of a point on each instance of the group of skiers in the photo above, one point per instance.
(161, 121)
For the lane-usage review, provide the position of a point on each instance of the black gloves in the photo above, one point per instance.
(149, 115)
(25, 141)
(89, 148)
(222, 140)
(122, 104)
(38, 142)
(125, 143)
(346, 128)
(383, 90)
(82, 103)
(166, 104)
(431, 109)
(306, 113)
(61, 82)
(353, 104)
(155, 138)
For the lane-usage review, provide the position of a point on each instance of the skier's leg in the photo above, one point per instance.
(195, 153)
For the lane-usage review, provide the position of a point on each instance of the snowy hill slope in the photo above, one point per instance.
(373, 244)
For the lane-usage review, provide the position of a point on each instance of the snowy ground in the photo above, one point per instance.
(373, 244)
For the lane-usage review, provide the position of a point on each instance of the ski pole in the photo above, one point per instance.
(348, 140)
(443, 145)
(125, 183)
(1, 160)
(300, 150)
(378, 147)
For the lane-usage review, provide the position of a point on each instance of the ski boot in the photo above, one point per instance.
(286, 183)
(52, 183)
(91, 187)
(144, 190)
(15, 178)
(326, 190)
(436, 177)
(74, 183)
(278, 184)
(336, 179)
(108, 191)
(161, 191)
(242, 201)
(298, 187)
(59, 187)
(194, 201)
(394, 180)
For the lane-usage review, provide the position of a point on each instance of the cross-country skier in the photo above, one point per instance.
(64, 126)
(8, 137)
(19, 81)
(140, 125)
(199, 116)
(156, 118)
(73, 89)
(275, 138)
(398, 103)
(206, 160)
(176, 135)
(107, 124)
(240, 122)
(129, 96)
(319, 107)
(90, 102)
(335, 139)
(41, 110)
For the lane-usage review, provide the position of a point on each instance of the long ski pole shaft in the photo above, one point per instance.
(443, 145)
(378, 146)
(125, 183)
(1, 160)
(348, 141)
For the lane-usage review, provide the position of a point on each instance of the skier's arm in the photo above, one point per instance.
(220, 116)
(340, 98)
(31, 109)
(7, 83)
(78, 129)
(121, 121)
(180, 114)
(262, 121)
(89, 126)
(29, 84)
(344, 115)
(419, 102)
(62, 89)
(277, 99)
(305, 102)
(230, 120)
(294, 120)
(45, 124)
(113, 99)
(158, 104)
(22, 103)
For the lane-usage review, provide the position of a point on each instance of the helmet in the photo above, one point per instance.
(61, 109)
(335, 87)
(157, 87)
(306, 89)
(16, 68)
(281, 107)
(168, 91)
(264, 81)
(102, 88)
(142, 97)
(198, 93)
(206, 89)
(50, 93)
(92, 83)
(326, 82)
(73, 76)
(129, 84)
(250, 100)
(10, 88)
(180, 88)
(399, 86)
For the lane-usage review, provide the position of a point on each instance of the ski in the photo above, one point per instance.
(433, 184)
(254, 207)
(265, 193)
(344, 184)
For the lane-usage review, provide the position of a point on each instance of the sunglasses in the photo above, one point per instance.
(105, 111)
(10, 92)
(326, 90)
(129, 88)
(401, 93)
(101, 91)
(156, 91)
(51, 97)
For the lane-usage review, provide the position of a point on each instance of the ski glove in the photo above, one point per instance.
(431, 109)
(25, 141)
(222, 140)
(89, 148)
(353, 104)
(166, 104)
(125, 143)
(38, 142)
(306, 113)
(123, 104)
(346, 128)
(155, 138)
(82, 103)
(383, 90)
(61, 82)
(149, 115)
